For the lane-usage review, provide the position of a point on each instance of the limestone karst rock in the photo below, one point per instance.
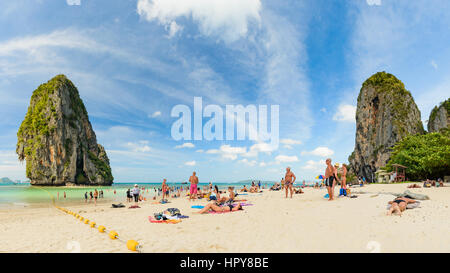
(439, 117)
(57, 140)
(386, 113)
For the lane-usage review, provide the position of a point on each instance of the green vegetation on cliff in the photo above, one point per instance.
(103, 169)
(445, 104)
(57, 140)
(426, 156)
(388, 85)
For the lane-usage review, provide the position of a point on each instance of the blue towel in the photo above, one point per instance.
(326, 196)
(197, 207)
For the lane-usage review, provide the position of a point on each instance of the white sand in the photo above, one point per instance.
(306, 223)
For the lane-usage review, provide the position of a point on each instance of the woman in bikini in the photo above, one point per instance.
(216, 208)
(399, 205)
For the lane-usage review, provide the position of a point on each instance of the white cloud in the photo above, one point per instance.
(247, 162)
(228, 19)
(262, 164)
(173, 28)
(139, 147)
(320, 151)
(155, 114)
(434, 64)
(190, 163)
(315, 166)
(289, 141)
(73, 2)
(262, 147)
(228, 152)
(286, 158)
(185, 145)
(373, 2)
(345, 113)
(200, 151)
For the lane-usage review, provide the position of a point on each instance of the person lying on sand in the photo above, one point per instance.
(216, 208)
(222, 200)
(413, 186)
(298, 191)
(399, 205)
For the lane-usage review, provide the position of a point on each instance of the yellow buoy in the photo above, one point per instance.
(92, 224)
(132, 245)
(113, 235)
(81, 219)
(86, 221)
(101, 229)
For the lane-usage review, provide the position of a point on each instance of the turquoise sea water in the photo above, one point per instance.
(20, 196)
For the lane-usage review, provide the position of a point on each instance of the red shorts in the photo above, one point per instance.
(193, 189)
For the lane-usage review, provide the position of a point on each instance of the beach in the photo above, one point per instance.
(305, 223)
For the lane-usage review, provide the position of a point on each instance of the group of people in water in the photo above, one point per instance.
(93, 196)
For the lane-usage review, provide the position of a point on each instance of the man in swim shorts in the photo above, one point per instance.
(330, 178)
(289, 181)
(193, 189)
(164, 189)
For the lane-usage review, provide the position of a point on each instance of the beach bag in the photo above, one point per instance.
(174, 211)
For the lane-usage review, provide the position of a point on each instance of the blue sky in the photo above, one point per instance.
(133, 60)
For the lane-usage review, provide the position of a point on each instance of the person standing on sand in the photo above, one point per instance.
(136, 192)
(330, 178)
(289, 181)
(344, 177)
(193, 189)
(164, 188)
(85, 197)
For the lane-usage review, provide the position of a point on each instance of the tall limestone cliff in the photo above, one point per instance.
(57, 141)
(386, 113)
(439, 117)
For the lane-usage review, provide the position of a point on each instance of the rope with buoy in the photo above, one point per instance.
(113, 235)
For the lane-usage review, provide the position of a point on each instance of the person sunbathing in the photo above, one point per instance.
(216, 208)
(413, 186)
(399, 205)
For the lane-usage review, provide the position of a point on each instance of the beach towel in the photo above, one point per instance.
(153, 220)
(134, 207)
(242, 204)
(411, 195)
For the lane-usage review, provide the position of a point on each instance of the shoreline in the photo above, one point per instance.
(306, 223)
